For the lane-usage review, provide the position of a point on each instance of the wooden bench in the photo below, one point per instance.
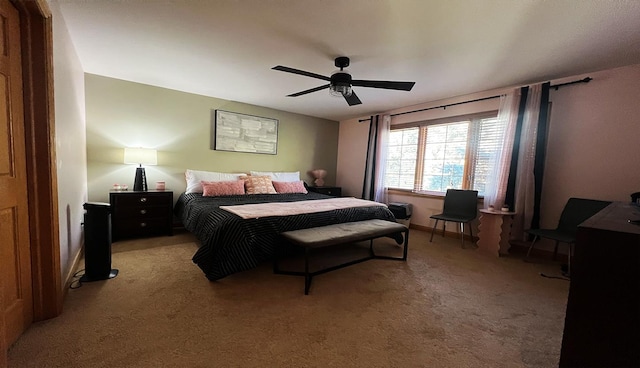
(340, 234)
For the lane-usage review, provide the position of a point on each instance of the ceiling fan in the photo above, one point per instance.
(340, 82)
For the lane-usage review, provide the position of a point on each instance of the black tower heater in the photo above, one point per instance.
(97, 242)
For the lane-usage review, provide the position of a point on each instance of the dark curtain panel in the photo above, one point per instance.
(513, 170)
(541, 148)
(368, 186)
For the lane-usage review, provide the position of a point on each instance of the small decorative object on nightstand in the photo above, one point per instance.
(141, 214)
(319, 175)
(332, 191)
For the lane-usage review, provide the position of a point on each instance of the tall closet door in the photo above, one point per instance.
(15, 261)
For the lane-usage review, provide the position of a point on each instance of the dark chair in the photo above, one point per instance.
(460, 206)
(575, 212)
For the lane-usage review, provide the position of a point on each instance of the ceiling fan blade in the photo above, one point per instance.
(353, 99)
(308, 91)
(402, 86)
(300, 72)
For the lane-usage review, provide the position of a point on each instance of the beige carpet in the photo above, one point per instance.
(444, 307)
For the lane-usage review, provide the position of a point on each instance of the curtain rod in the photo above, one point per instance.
(585, 80)
(556, 86)
(447, 105)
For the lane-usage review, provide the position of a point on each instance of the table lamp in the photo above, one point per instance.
(140, 156)
(319, 175)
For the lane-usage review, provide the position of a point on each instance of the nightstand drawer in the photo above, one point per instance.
(140, 212)
(141, 227)
(332, 191)
(134, 200)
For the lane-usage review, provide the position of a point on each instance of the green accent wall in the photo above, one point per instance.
(179, 126)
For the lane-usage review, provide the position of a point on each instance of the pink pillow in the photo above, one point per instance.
(289, 187)
(221, 188)
(258, 184)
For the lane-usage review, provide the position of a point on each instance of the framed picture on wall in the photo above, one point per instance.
(237, 132)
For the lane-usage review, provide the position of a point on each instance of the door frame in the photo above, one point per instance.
(3, 344)
(36, 39)
(36, 42)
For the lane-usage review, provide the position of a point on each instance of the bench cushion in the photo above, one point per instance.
(347, 232)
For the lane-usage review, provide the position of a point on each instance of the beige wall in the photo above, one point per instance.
(592, 149)
(70, 138)
(177, 124)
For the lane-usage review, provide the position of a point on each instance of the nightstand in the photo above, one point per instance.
(332, 191)
(141, 214)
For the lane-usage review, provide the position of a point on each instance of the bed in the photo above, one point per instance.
(231, 244)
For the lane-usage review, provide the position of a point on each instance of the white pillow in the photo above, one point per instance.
(278, 176)
(194, 178)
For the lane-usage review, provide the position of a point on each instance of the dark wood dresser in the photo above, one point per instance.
(602, 323)
(141, 214)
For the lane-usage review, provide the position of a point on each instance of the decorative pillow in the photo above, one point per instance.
(279, 176)
(222, 188)
(289, 186)
(258, 184)
(194, 178)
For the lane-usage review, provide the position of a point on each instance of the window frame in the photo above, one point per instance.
(471, 150)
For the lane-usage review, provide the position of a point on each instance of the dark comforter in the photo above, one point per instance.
(231, 244)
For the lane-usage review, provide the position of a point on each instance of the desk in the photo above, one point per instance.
(494, 230)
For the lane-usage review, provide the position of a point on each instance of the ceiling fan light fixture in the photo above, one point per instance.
(340, 90)
(340, 84)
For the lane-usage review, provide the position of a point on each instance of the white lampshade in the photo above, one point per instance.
(142, 156)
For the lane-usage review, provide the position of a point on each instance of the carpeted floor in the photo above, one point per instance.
(445, 307)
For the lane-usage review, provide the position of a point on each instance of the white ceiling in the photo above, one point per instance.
(226, 48)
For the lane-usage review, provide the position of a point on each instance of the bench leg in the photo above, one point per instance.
(406, 245)
(276, 257)
(404, 252)
(307, 276)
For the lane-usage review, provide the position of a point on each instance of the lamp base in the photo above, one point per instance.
(140, 183)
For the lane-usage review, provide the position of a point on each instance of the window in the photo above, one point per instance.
(401, 158)
(444, 156)
(434, 156)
